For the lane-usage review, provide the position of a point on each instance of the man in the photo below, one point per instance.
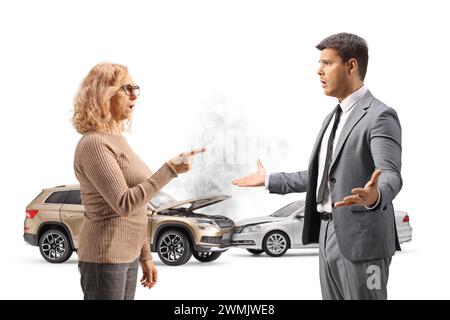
(353, 176)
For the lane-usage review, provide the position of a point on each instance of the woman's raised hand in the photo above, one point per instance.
(183, 162)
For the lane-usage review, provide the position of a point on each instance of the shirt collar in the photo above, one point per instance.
(352, 99)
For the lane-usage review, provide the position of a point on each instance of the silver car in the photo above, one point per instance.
(282, 230)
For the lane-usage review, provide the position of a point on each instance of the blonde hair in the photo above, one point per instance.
(92, 101)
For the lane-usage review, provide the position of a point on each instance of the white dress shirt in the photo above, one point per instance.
(347, 107)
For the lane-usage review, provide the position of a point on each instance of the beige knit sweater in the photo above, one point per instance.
(116, 186)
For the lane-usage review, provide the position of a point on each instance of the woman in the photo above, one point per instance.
(115, 187)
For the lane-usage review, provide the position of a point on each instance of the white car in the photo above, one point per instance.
(282, 230)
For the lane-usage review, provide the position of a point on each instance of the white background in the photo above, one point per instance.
(254, 62)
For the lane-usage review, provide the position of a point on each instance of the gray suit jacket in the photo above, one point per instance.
(369, 140)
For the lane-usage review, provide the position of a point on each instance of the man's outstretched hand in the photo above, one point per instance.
(256, 179)
(366, 196)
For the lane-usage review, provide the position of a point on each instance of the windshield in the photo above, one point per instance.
(289, 209)
(161, 199)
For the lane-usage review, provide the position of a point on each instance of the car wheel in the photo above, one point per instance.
(276, 243)
(206, 256)
(174, 248)
(55, 246)
(255, 251)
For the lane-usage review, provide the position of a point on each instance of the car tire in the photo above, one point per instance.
(206, 256)
(276, 243)
(55, 246)
(255, 251)
(174, 248)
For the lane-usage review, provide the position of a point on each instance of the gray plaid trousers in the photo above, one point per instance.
(108, 281)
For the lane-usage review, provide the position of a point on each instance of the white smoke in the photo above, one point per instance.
(232, 150)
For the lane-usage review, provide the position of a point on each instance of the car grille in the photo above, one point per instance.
(225, 239)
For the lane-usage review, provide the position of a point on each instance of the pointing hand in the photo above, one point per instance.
(183, 162)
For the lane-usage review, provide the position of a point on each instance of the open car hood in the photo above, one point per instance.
(195, 203)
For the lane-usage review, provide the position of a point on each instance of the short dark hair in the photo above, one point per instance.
(348, 46)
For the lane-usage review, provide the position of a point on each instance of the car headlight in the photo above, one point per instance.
(252, 228)
(206, 224)
(208, 228)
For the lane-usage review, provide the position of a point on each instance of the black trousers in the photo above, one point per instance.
(108, 281)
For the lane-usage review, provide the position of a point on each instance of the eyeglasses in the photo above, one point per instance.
(129, 89)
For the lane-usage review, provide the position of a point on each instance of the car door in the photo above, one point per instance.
(72, 213)
(297, 229)
(297, 226)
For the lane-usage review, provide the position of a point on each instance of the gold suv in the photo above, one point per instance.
(176, 232)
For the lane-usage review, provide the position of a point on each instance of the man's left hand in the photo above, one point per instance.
(367, 196)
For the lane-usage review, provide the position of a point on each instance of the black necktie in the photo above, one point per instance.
(324, 182)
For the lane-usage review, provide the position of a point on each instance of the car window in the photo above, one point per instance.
(57, 197)
(74, 197)
(289, 209)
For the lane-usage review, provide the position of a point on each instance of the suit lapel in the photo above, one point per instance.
(311, 227)
(359, 110)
